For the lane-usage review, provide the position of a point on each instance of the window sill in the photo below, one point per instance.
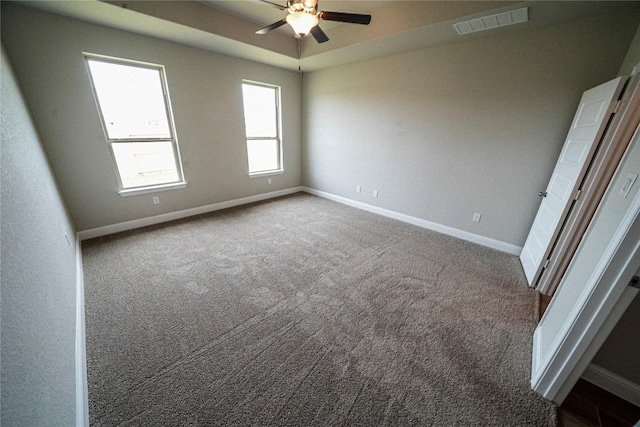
(265, 173)
(152, 189)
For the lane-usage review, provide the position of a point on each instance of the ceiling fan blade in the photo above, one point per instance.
(352, 18)
(273, 26)
(319, 35)
(279, 6)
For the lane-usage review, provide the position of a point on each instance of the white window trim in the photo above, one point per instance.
(278, 138)
(152, 189)
(266, 173)
(132, 191)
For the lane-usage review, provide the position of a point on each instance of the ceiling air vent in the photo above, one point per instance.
(492, 21)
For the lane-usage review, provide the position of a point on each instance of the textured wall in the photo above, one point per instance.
(444, 132)
(619, 353)
(206, 95)
(633, 55)
(38, 270)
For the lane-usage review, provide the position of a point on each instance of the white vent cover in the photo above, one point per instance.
(492, 21)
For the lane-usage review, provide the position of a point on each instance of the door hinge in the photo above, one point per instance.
(635, 282)
(578, 194)
(618, 106)
(546, 263)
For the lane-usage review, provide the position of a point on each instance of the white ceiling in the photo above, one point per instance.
(228, 26)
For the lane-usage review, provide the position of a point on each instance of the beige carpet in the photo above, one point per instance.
(301, 311)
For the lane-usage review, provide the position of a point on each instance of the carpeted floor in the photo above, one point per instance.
(300, 311)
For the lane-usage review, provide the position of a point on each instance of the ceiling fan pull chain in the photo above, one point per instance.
(300, 56)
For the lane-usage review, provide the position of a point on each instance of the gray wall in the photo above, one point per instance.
(447, 131)
(619, 353)
(633, 56)
(205, 89)
(38, 269)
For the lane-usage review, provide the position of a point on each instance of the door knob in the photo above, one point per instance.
(542, 194)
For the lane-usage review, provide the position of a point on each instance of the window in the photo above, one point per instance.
(262, 125)
(133, 103)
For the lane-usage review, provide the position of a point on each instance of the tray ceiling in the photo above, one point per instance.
(228, 26)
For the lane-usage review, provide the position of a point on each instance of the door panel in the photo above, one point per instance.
(587, 128)
(619, 134)
(594, 291)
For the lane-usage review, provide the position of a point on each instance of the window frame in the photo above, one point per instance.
(173, 138)
(277, 138)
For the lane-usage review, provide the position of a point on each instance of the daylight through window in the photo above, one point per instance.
(262, 125)
(136, 116)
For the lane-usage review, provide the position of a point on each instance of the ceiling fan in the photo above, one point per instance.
(303, 16)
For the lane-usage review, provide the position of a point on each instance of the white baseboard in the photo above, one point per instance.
(82, 392)
(460, 234)
(613, 383)
(158, 219)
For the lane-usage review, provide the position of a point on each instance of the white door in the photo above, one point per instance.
(587, 128)
(595, 291)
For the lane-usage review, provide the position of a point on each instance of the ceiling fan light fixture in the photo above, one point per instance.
(302, 22)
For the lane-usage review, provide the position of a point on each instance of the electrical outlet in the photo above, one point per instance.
(476, 217)
(268, 180)
(156, 200)
(358, 189)
(375, 193)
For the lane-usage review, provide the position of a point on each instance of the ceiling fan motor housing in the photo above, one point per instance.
(303, 17)
(309, 6)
